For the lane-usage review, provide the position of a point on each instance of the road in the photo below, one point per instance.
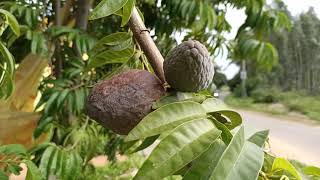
(288, 138)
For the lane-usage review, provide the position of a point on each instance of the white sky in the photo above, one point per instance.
(237, 17)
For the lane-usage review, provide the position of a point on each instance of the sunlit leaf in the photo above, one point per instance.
(259, 138)
(283, 164)
(213, 104)
(33, 172)
(203, 166)
(127, 10)
(6, 72)
(226, 135)
(179, 148)
(231, 119)
(13, 149)
(110, 57)
(146, 143)
(166, 118)
(241, 160)
(106, 8)
(311, 170)
(13, 23)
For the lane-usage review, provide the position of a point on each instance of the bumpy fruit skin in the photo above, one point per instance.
(188, 67)
(122, 101)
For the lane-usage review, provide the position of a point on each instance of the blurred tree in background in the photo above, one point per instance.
(299, 56)
(298, 51)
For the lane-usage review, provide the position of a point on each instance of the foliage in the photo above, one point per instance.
(7, 64)
(289, 101)
(188, 126)
(264, 95)
(11, 157)
(298, 51)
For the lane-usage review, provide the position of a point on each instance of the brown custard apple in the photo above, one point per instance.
(121, 102)
(188, 67)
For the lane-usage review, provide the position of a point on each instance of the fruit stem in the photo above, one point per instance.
(142, 35)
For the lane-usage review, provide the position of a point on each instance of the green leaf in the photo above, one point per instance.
(140, 14)
(183, 145)
(146, 143)
(54, 159)
(13, 23)
(51, 103)
(42, 126)
(62, 163)
(79, 99)
(283, 164)
(311, 170)
(178, 97)
(203, 166)
(62, 97)
(113, 39)
(110, 57)
(106, 8)
(6, 86)
(3, 175)
(33, 171)
(8, 58)
(213, 104)
(39, 44)
(73, 166)
(242, 160)
(46, 160)
(165, 100)
(259, 138)
(127, 10)
(6, 77)
(14, 168)
(166, 118)
(225, 134)
(233, 118)
(13, 149)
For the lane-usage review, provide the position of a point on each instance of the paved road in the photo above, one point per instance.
(289, 139)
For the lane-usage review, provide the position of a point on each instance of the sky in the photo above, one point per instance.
(237, 17)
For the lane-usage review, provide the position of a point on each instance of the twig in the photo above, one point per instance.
(142, 35)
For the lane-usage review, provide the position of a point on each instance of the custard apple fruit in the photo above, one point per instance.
(188, 67)
(121, 102)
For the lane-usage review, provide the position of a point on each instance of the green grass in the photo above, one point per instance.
(307, 105)
(291, 101)
(249, 103)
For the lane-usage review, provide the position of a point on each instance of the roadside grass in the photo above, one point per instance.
(307, 105)
(287, 102)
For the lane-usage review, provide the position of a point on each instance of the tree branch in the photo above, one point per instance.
(58, 66)
(65, 11)
(82, 15)
(142, 35)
